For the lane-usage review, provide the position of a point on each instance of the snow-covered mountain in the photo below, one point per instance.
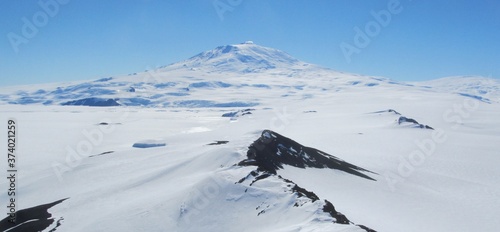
(241, 67)
(484, 89)
(240, 58)
(248, 138)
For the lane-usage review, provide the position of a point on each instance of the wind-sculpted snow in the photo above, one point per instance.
(165, 85)
(258, 201)
(137, 101)
(264, 86)
(181, 94)
(480, 88)
(29, 100)
(238, 113)
(301, 198)
(213, 84)
(479, 98)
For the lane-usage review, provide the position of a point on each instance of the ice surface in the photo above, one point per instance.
(149, 143)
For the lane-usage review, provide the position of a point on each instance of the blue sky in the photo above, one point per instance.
(79, 40)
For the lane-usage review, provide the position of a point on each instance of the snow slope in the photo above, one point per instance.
(483, 89)
(439, 179)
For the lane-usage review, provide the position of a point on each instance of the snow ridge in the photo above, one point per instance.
(272, 151)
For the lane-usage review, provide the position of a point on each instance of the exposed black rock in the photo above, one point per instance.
(252, 173)
(104, 153)
(92, 102)
(107, 124)
(389, 110)
(272, 150)
(367, 228)
(302, 192)
(218, 143)
(248, 162)
(393, 111)
(260, 177)
(403, 119)
(339, 217)
(238, 113)
(31, 219)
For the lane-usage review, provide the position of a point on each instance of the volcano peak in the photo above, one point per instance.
(245, 57)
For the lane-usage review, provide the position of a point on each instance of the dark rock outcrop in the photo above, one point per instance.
(218, 142)
(339, 217)
(32, 219)
(272, 150)
(403, 119)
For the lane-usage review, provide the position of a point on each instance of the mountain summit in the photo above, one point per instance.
(229, 71)
(242, 58)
